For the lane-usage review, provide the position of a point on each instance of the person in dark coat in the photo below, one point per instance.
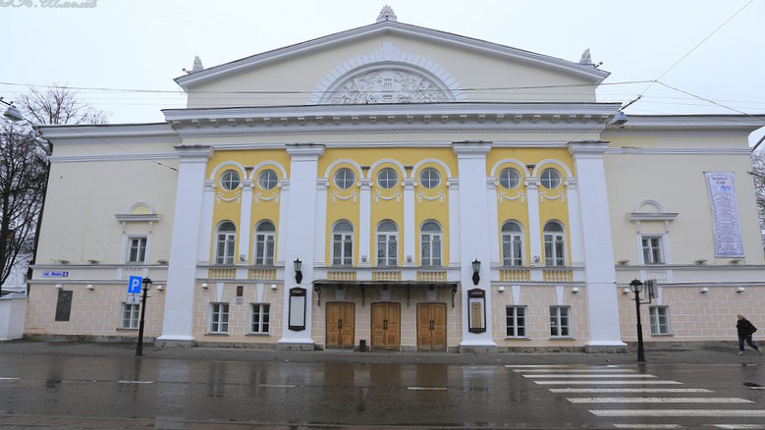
(745, 331)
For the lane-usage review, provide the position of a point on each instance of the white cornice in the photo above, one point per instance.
(653, 216)
(136, 218)
(590, 117)
(81, 132)
(691, 122)
(113, 157)
(393, 28)
(678, 151)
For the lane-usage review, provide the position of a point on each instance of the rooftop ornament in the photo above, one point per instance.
(387, 14)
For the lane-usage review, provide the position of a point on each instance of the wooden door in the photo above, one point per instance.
(431, 326)
(386, 326)
(340, 325)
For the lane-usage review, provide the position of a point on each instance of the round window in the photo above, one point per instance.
(429, 178)
(229, 180)
(344, 178)
(550, 178)
(387, 178)
(509, 178)
(267, 179)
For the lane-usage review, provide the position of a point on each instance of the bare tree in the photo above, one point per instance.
(24, 169)
(23, 175)
(758, 173)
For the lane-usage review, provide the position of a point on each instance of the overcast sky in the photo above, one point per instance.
(144, 44)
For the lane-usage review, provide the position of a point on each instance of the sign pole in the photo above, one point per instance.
(139, 346)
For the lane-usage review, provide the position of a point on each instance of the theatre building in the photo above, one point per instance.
(401, 188)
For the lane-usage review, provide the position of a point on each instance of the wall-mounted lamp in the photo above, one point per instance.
(740, 289)
(501, 289)
(704, 290)
(204, 285)
(701, 261)
(476, 269)
(90, 287)
(623, 261)
(59, 286)
(298, 270)
(273, 286)
(575, 290)
(160, 287)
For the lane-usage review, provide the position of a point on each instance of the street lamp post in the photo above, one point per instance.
(636, 286)
(146, 287)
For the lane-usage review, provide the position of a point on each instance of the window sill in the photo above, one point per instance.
(517, 338)
(662, 335)
(216, 334)
(126, 329)
(259, 334)
(562, 338)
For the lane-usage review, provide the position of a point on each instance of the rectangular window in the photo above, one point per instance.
(137, 250)
(560, 321)
(387, 250)
(342, 249)
(516, 321)
(264, 249)
(226, 245)
(511, 250)
(260, 318)
(130, 316)
(554, 250)
(659, 319)
(218, 317)
(431, 249)
(652, 250)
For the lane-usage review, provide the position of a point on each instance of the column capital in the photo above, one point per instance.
(210, 185)
(247, 185)
(588, 148)
(305, 150)
(408, 183)
(193, 153)
(453, 183)
(491, 183)
(365, 183)
(471, 149)
(322, 184)
(531, 183)
(571, 183)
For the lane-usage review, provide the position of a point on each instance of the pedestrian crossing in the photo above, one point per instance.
(624, 394)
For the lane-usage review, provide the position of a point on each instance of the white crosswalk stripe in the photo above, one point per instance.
(738, 426)
(648, 426)
(571, 375)
(658, 400)
(677, 413)
(611, 370)
(628, 390)
(595, 382)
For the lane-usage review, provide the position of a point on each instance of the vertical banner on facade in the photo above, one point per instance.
(722, 195)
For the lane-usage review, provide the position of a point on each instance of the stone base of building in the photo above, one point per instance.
(160, 344)
(298, 346)
(83, 338)
(477, 349)
(605, 349)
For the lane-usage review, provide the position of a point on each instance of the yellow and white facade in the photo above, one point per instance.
(428, 209)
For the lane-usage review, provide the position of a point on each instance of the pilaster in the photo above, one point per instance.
(177, 323)
(409, 259)
(206, 223)
(245, 215)
(454, 222)
(493, 219)
(320, 227)
(365, 220)
(535, 230)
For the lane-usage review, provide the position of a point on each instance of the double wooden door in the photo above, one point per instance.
(340, 325)
(386, 326)
(431, 326)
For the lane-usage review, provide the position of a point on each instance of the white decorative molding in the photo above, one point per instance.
(376, 164)
(237, 197)
(502, 197)
(420, 163)
(238, 166)
(387, 14)
(543, 196)
(396, 195)
(439, 196)
(259, 196)
(540, 165)
(679, 151)
(262, 164)
(516, 163)
(335, 195)
(332, 165)
(113, 157)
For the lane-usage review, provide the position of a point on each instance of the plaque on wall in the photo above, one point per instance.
(63, 305)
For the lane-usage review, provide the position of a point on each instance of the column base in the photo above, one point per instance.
(175, 342)
(599, 347)
(295, 345)
(477, 347)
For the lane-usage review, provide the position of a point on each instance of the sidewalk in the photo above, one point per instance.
(709, 354)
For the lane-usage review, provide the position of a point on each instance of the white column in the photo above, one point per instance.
(283, 233)
(575, 222)
(300, 242)
(602, 306)
(454, 222)
(409, 228)
(206, 223)
(320, 227)
(474, 234)
(365, 221)
(493, 219)
(245, 216)
(178, 319)
(535, 230)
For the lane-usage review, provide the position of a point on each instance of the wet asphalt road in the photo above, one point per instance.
(42, 391)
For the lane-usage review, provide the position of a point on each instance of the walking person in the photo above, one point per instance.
(745, 331)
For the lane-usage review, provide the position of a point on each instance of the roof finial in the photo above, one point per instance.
(386, 14)
(197, 65)
(586, 57)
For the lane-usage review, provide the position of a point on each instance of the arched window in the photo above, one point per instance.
(344, 178)
(555, 244)
(387, 178)
(342, 244)
(430, 178)
(430, 244)
(265, 235)
(509, 178)
(387, 244)
(512, 244)
(229, 180)
(225, 243)
(550, 178)
(268, 179)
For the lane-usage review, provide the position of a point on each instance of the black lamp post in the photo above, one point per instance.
(146, 287)
(476, 269)
(298, 270)
(636, 286)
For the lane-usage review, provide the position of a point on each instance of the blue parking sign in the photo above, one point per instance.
(134, 286)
